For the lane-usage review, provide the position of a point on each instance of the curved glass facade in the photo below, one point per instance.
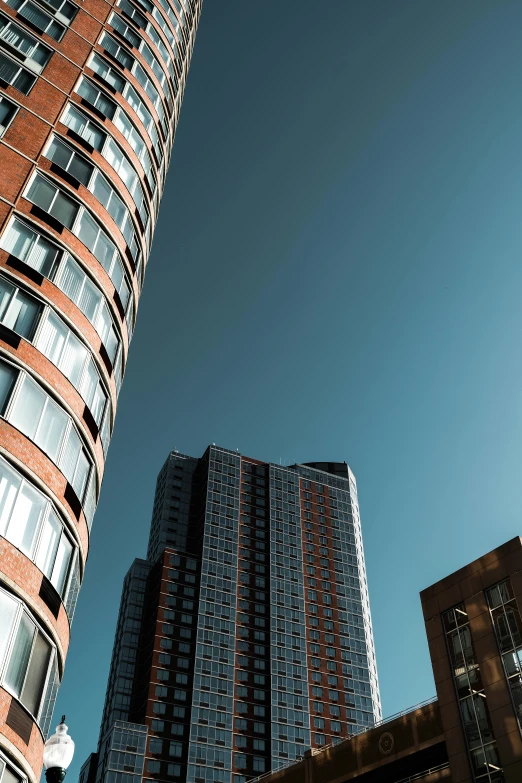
(86, 134)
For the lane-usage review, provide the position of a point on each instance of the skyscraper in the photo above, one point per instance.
(245, 636)
(90, 94)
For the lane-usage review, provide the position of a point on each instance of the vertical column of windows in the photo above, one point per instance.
(253, 680)
(343, 528)
(169, 710)
(474, 713)
(339, 630)
(507, 622)
(210, 749)
(290, 706)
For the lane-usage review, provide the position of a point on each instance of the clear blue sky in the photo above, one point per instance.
(336, 274)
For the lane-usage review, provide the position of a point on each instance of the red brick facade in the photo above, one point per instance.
(38, 115)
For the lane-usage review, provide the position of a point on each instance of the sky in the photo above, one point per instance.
(335, 275)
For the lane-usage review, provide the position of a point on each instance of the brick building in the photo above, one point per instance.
(245, 636)
(471, 733)
(90, 94)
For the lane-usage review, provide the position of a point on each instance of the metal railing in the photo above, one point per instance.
(376, 725)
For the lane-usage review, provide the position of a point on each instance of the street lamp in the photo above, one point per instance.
(57, 754)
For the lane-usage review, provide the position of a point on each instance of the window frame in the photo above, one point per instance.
(20, 611)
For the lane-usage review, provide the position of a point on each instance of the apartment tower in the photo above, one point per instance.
(90, 94)
(245, 636)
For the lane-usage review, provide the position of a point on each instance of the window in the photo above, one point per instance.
(18, 311)
(158, 726)
(130, 36)
(176, 729)
(259, 762)
(241, 724)
(174, 770)
(259, 744)
(319, 723)
(86, 173)
(155, 745)
(35, 414)
(30, 51)
(175, 749)
(8, 110)
(70, 214)
(44, 21)
(69, 160)
(335, 725)
(259, 728)
(178, 712)
(80, 123)
(259, 712)
(240, 760)
(26, 655)
(153, 766)
(240, 741)
(320, 739)
(30, 246)
(56, 341)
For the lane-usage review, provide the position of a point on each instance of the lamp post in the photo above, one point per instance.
(57, 754)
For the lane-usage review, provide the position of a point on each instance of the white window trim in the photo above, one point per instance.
(9, 648)
(116, 256)
(22, 218)
(15, 391)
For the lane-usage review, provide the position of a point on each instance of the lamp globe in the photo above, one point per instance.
(58, 753)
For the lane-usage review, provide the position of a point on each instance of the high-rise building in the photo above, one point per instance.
(90, 94)
(472, 731)
(245, 637)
